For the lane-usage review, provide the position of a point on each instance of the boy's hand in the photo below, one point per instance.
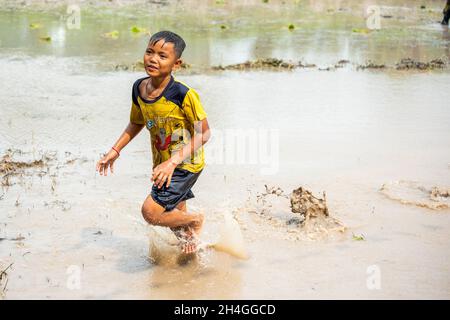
(163, 173)
(107, 161)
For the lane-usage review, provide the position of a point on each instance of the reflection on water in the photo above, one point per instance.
(221, 34)
(215, 276)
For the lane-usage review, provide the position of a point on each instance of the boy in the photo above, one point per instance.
(178, 127)
(446, 13)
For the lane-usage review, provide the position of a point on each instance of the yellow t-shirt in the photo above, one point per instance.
(170, 118)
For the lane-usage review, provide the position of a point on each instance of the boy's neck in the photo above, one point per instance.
(158, 82)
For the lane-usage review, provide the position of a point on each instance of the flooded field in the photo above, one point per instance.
(226, 32)
(376, 140)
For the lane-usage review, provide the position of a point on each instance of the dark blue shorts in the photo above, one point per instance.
(179, 189)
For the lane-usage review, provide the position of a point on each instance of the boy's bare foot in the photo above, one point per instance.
(178, 231)
(193, 232)
(189, 242)
(189, 235)
(188, 239)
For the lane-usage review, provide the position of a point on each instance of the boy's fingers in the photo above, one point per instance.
(168, 180)
(154, 175)
(101, 166)
(157, 177)
(160, 182)
(112, 167)
(99, 163)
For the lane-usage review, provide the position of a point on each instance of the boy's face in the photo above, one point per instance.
(160, 59)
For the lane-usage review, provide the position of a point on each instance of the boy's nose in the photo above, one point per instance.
(153, 59)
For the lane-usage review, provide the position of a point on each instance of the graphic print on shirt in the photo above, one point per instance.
(160, 137)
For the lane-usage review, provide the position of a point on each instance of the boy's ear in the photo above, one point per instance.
(177, 64)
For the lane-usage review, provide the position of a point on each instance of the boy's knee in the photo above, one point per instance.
(150, 215)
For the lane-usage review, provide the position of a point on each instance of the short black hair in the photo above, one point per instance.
(169, 36)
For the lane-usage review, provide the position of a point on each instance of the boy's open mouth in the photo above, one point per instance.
(152, 68)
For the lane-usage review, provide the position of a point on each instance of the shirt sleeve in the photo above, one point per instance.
(192, 107)
(135, 112)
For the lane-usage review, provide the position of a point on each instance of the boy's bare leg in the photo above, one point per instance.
(185, 233)
(181, 206)
(180, 230)
(155, 214)
(197, 228)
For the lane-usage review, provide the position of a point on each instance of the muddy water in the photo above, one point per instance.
(346, 132)
(222, 34)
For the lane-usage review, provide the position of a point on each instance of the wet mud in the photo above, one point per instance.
(410, 64)
(16, 165)
(417, 194)
(274, 64)
(300, 215)
(4, 279)
(259, 64)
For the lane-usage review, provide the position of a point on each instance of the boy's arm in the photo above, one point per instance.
(163, 172)
(201, 136)
(128, 134)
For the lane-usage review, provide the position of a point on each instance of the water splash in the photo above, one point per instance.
(231, 239)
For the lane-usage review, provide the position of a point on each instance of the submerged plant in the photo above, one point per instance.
(358, 237)
(47, 38)
(35, 26)
(136, 29)
(362, 31)
(112, 35)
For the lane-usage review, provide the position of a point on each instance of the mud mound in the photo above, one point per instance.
(370, 65)
(11, 166)
(307, 205)
(415, 193)
(7, 165)
(313, 212)
(407, 64)
(275, 64)
(300, 214)
(269, 63)
(18, 169)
